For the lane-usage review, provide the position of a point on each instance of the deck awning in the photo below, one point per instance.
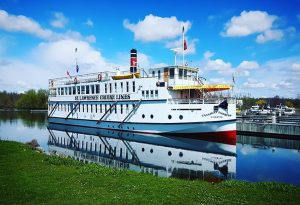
(206, 88)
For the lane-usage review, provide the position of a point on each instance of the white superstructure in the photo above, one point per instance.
(169, 99)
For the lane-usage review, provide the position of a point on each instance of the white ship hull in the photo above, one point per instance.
(174, 103)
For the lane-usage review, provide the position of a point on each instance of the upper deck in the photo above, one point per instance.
(173, 78)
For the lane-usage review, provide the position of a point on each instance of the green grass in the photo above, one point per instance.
(29, 177)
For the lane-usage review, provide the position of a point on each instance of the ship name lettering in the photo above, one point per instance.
(102, 97)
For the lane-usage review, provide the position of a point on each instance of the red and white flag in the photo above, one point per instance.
(184, 45)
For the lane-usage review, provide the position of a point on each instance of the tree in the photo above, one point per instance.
(289, 104)
(261, 102)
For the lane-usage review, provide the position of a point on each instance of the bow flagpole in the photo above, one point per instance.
(182, 45)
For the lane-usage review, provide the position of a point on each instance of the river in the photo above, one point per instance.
(249, 158)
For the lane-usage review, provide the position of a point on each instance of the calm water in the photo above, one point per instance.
(251, 158)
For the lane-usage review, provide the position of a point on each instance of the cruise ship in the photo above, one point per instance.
(167, 100)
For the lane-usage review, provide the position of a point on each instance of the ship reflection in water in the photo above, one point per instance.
(164, 156)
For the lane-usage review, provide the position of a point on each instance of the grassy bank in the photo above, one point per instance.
(28, 177)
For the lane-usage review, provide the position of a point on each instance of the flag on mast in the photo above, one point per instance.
(68, 74)
(184, 45)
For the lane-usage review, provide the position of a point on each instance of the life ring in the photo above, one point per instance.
(75, 80)
(99, 77)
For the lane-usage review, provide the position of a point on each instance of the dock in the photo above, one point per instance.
(269, 125)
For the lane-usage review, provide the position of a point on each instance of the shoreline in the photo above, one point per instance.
(28, 176)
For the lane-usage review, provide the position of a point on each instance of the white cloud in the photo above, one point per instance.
(220, 66)
(23, 24)
(177, 45)
(296, 67)
(269, 35)
(248, 23)
(155, 28)
(251, 83)
(91, 39)
(89, 23)
(59, 20)
(208, 54)
(50, 60)
(282, 85)
(13, 23)
(247, 65)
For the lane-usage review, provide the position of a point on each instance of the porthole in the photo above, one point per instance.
(151, 150)
(143, 149)
(132, 128)
(151, 116)
(180, 154)
(180, 117)
(169, 153)
(170, 117)
(127, 128)
(143, 116)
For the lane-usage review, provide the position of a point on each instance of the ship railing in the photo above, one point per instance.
(200, 100)
(86, 78)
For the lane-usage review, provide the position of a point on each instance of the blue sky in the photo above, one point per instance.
(256, 41)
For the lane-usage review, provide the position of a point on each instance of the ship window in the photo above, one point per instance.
(78, 90)
(97, 88)
(151, 116)
(110, 88)
(143, 116)
(105, 87)
(96, 106)
(147, 93)
(180, 117)
(180, 73)
(185, 74)
(153, 73)
(158, 74)
(92, 89)
(62, 91)
(151, 93)
(100, 108)
(151, 150)
(115, 109)
(91, 108)
(74, 90)
(133, 86)
(87, 89)
(172, 73)
(105, 108)
(110, 108)
(156, 93)
(143, 93)
(127, 86)
(65, 107)
(169, 153)
(122, 87)
(121, 108)
(82, 108)
(180, 154)
(115, 87)
(170, 117)
(58, 91)
(87, 108)
(82, 89)
(70, 90)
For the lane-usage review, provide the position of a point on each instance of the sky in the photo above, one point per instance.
(254, 42)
